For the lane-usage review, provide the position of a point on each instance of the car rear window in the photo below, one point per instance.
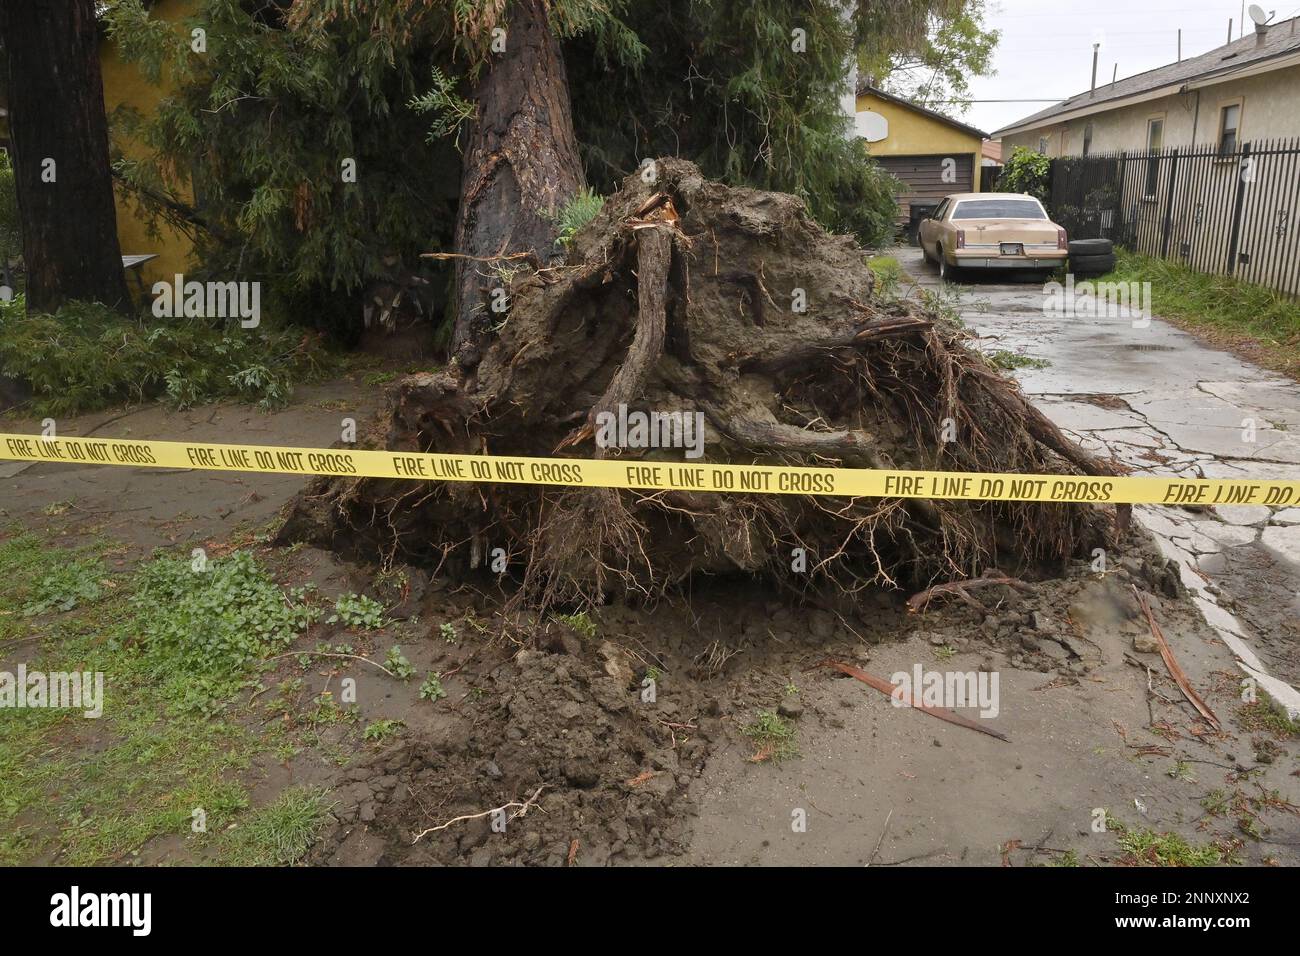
(999, 209)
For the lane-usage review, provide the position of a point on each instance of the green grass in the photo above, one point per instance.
(1263, 324)
(1167, 849)
(69, 585)
(279, 833)
(1146, 847)
(29, 577)
(773, 735)
(889, 275)
(576, 213)
(201, 631)
(580, 623)
(78, 791)
(1261, 716)
(1013, 360)
(1216, 802)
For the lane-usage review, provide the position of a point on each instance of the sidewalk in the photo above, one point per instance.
(1159, 401)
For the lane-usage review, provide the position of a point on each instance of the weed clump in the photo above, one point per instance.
(207, 628)
(357, 610)
(70, 585)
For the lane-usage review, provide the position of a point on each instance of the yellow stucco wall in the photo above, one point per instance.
(125, 84)
(915, 134)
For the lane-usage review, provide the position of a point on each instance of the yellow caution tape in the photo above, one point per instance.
(614, 473)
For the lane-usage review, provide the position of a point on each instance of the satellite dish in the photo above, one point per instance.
(1259, 16)
(872, 126)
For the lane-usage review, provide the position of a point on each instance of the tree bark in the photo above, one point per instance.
(520, 167)
(60, 144)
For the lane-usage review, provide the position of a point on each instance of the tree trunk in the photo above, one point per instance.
(60, 144)
(520, 167)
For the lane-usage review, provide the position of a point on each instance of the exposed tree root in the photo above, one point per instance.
(962, 589)
(690, 297)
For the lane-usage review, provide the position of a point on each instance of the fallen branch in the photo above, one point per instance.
(885, 829)
(894, 691)
(522, 811)
(1176, 672)
(917, 602)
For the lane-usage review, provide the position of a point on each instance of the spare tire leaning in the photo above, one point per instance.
(1091, 247)
(1092, 265)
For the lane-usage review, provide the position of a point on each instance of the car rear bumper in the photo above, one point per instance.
(980, 261)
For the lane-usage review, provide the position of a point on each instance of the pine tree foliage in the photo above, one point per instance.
(250, 150)
(295, 153)
(936, 73)
(751, 91)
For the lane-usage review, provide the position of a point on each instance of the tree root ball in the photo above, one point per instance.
(685, 295)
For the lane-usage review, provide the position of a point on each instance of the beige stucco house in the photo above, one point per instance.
(1246, 90)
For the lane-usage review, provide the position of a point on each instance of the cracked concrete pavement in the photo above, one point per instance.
(1158, 401)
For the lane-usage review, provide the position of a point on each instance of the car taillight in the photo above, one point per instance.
(961, 238)
(1061, 241)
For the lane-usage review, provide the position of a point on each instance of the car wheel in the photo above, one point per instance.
(1091, 247)
(946, 272)
(1092, 265)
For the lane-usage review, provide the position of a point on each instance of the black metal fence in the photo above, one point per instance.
(1232, 212)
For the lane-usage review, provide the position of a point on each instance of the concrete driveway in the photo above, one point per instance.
(1159, 401)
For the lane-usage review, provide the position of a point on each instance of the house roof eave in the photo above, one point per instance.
(1091, 109)
(1280, 62)
(869, 90)
(1062, 113)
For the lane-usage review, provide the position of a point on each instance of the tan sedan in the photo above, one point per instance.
(992, 231)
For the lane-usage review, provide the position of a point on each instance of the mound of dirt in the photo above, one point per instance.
(686, 296)
(568, 727)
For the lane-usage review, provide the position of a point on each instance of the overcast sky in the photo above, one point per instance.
(1046, 46)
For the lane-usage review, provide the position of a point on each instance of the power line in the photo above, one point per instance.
(1057, 100)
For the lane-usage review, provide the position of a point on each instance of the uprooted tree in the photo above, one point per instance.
(685, 295)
